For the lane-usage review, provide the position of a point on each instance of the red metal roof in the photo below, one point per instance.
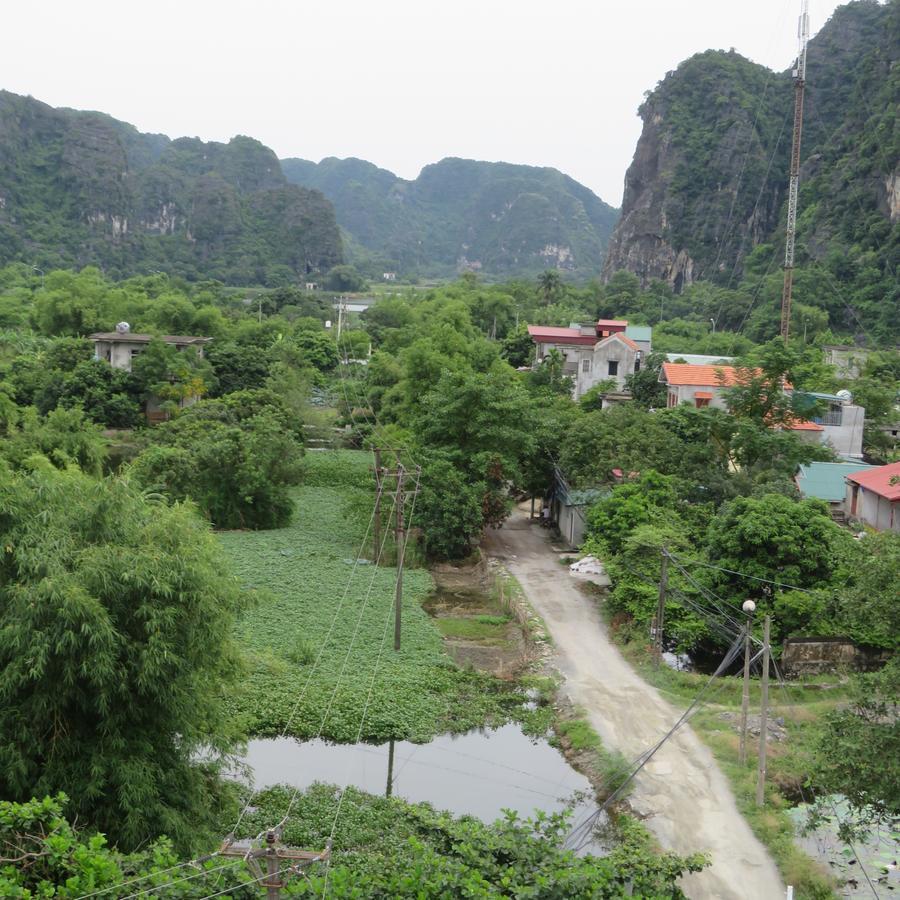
(552, 335)
(612, 323)
(703, 395)
(878, 480)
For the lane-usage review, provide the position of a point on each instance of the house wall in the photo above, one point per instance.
(117, 353)
(598, 359)
(872, 509)
(687, 393)
(570, 522)
(846, 438)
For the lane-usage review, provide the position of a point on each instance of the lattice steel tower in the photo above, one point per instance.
(791, 231)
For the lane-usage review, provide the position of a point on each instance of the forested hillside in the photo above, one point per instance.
(461, 214)
(704, 195)
(81, 188)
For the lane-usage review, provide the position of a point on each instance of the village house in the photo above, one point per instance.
(826, 481)
(607, 350)
(873, 497)
(120, 347)
(840, 426)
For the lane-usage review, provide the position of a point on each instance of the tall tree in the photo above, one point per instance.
(115, 621)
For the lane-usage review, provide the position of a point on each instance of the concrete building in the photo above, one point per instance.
(873, 497)
(840, 425)
(120, 347)
(596, 351)
(847, 360)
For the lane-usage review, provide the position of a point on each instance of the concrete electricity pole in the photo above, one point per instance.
(661, 606)
(749, 608)
(376, 520)
(399, 536)
(273, 853)
(763, 716)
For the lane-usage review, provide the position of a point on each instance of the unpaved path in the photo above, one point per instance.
(686, 797)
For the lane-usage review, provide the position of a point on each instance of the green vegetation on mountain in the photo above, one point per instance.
(495, 218)
(81, 188)
(705, 193)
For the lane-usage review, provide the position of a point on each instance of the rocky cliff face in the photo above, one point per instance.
(708, 180)
(81, 188)
(462, 214)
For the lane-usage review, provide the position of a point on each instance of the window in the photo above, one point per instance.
(613, 367)
(585, 365)
(701, 402)
(637, 364)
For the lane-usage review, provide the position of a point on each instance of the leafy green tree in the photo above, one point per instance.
(644, 384)
(237, 367)
(518, 347)
(776, 538)
(109, 396)
(170, 375)
(66, 437)
(345, 278)
(649, 498)
(550, 374)
(235, 457)
(448, 509)
(864, 604)
(115, 624)
(550, 286)
(858, 750)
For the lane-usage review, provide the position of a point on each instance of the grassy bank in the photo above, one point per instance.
(298, 576)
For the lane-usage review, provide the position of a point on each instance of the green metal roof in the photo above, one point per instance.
(826, 480)
(638, 332)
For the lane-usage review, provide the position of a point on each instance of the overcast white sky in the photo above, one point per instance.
(399, 82)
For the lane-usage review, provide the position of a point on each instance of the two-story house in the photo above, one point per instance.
(608, 349)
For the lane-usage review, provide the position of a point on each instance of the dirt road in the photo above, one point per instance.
(688, 801)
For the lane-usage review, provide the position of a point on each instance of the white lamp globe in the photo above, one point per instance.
(749, 607)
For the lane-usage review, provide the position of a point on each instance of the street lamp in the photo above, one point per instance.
(36, 269)
(749, 607)
(713, 325)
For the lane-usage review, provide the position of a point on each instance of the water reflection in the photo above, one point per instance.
(480, 773)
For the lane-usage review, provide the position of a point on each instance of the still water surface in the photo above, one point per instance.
(479, 773)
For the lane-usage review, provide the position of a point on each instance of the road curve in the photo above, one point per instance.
(685, 797)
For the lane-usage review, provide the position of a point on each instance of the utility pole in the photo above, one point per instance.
(273, 853)
(390, 775)
(793, 184)
(763, 717)
(376, 520)
(400, 543)
(661, 605)
(749, 607)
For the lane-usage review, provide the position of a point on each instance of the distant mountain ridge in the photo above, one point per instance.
(461, 214)
(705, 192)
(81, 188)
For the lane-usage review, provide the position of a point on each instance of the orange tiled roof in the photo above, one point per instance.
(701, 376)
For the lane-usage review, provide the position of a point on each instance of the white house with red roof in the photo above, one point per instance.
(840, 426)
(873, 497)
(595, 352)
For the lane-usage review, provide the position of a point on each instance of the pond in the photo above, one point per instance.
(877, 857)
(479, 773)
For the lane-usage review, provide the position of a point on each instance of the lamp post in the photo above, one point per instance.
(713, 325)
(36, 269)
(749, 607)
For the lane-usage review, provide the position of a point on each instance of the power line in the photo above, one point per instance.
(375, 671)
(168, 884)
(781, 584)
(155, 874)
(320, 653)
(343, 668)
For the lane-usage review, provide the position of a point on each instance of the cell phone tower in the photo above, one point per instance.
(791, 230)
